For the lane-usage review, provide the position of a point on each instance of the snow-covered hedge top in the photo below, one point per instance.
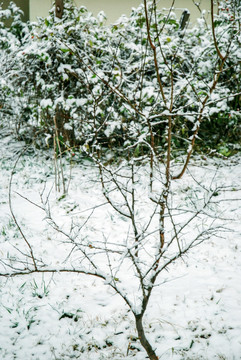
(104, 77)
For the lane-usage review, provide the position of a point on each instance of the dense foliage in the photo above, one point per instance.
(98, 84)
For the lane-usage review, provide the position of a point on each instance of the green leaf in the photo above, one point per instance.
(9, 310)
(64, 50)
(62, 197)
(223, 150)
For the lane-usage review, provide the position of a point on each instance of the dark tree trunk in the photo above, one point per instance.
(59, 8)
(144, 342)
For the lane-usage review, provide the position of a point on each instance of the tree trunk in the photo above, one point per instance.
(144, 342)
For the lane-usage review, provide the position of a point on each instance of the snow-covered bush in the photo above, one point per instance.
(53, 80)
(12, 38)
(15, 34)
(101, 83)
(224, 109)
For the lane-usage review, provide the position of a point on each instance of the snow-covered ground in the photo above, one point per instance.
(194, 314)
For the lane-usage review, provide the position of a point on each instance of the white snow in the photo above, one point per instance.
(194, 312)
(45, 103)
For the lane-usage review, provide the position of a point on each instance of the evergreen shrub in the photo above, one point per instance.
(96, 82)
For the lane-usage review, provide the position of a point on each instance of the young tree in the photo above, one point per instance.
(148, 92)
